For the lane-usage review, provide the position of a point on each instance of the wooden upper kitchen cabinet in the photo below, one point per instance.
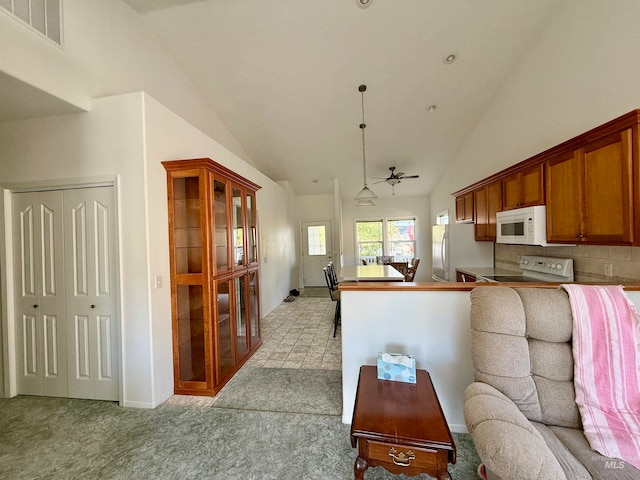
(523, 188)
(464, 208)
(487, 202)
(589, 193)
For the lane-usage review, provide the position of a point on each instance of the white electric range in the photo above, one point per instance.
(537, 269)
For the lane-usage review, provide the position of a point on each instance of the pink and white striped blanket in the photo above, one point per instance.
(606, 353)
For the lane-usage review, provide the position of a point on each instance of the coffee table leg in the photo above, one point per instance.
(359, 468)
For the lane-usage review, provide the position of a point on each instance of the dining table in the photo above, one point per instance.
(370, 273)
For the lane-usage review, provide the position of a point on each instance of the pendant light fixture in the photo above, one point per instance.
(365, 197)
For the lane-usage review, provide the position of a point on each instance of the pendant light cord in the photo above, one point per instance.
(364, 158)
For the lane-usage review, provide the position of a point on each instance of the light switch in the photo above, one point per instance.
(158, 281)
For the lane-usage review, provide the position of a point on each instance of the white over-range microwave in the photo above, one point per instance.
(522, 226)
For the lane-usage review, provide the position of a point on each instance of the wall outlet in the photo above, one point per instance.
(608, 270)
(158, 281)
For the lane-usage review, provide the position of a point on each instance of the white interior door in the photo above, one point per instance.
(66, 323)
(316, 252)
(41, 356)
(91, 293)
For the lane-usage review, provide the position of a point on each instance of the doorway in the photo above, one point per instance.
(66, 303)
(316, 252)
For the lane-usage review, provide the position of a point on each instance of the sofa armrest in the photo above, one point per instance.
(506, 441)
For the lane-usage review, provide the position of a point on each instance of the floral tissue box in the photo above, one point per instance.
(396, 367)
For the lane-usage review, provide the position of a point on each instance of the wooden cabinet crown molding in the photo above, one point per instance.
(622, 122)
(196, 163)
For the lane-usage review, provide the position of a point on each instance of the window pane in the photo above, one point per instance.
(317, 240)
(401, 237)
(369, 230)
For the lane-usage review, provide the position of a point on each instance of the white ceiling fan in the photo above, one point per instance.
(394, 178)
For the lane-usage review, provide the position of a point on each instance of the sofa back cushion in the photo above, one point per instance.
(521, 345)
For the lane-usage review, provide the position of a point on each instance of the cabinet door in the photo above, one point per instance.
(252, 233)
(222, 253)
(481, 208)
(240, 304)
(524, 188)
(564, 198)
(511, 191)
(254, 309)
(464, 208)
(487, 202)
(224, 330)
(608, 198)
(532, 186)
(238, 234)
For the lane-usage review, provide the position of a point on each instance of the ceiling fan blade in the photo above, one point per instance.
(381, 181)
(379, 178)
(411, 176)
(399, 174)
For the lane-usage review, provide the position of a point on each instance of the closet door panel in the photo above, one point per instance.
(91, 303)
(40, 293)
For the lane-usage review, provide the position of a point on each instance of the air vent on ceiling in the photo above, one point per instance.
(44, 16)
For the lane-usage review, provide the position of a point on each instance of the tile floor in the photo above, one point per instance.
(296, 334)
(299, 334)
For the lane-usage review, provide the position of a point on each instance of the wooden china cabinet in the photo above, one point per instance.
(214, 273)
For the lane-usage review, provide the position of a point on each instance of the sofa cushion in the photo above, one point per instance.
(520, 345)
(506, 441)
(600, 467)
(572, 467)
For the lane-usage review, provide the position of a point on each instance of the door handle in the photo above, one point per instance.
(93, 306)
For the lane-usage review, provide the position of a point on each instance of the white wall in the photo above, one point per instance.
(581, 71)
(108, 50)
(394, 207)
(126, 137)
(277, 231)
(108, 141)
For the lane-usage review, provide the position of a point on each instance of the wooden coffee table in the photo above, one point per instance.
(400, 426)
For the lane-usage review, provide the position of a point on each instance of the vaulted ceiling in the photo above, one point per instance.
(284, 74)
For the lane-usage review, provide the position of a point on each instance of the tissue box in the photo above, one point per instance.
(396, 367)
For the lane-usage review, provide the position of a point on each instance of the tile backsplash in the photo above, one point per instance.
(589, 261)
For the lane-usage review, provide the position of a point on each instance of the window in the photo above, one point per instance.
(317, 240)
(394, 237)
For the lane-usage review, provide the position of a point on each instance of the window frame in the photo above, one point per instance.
(385, 237)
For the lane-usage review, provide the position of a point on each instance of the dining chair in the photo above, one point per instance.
(332, 271)
(334, 293)
(411, 270)
(383, 259)
(364, 262)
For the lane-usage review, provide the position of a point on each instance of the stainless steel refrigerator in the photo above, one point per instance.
(440, 253)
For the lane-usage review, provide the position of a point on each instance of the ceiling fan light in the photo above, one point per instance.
(365, 193)
(366, 202)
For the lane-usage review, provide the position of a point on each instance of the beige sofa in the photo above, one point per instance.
(521, 410)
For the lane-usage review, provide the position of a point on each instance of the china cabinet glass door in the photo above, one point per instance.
(254, 308)
(252, 234)
(191, 334)
(241, 317)
(224, 326)
(238, 227)
(187, 228)
(220, 226)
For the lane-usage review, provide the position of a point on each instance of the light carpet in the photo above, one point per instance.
(289, 390)
(52, 438)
